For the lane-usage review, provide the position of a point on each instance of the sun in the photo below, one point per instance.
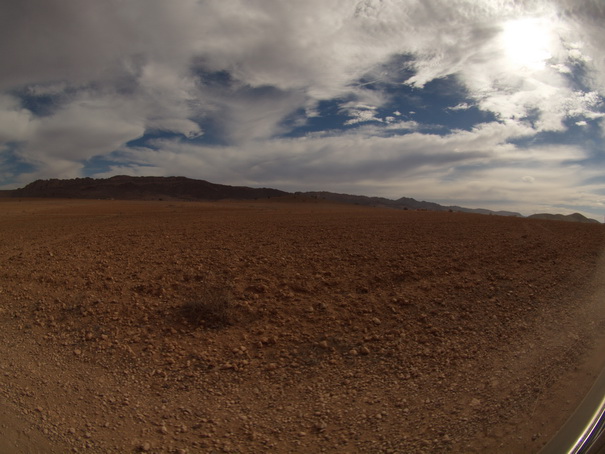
(527, 43)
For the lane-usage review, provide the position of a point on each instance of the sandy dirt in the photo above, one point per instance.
(174, 327)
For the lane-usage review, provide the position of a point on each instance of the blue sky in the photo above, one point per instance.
(477, 103)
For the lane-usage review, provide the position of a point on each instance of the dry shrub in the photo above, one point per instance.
(213, 308)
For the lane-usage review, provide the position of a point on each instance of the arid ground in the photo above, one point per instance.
(291, 326)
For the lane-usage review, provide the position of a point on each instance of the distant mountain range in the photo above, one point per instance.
(405, 203)
(181, 188)
(576, 217)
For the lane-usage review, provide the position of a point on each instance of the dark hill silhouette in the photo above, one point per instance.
(141, 188)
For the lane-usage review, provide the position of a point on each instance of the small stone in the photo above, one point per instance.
(364, 350)
(272, 366)
(320, 426)
(323, 344)
(353, 352)
(145, 447)
(376, 321)
(77, 352)
(164, 430)
(475, 402)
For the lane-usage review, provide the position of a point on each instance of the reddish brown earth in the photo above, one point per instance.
(335, 328)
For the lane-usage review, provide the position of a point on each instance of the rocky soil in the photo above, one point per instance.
(175, 327)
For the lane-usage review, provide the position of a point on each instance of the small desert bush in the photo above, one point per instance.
(212, 308)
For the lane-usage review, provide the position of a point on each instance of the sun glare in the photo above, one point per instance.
(527, 43)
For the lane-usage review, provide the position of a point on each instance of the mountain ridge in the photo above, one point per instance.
(124, 187)
(402, 203)
(575, 217)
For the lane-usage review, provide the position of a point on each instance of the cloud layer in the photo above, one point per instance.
(471, 102)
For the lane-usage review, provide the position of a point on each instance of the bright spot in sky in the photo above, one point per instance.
(528, 42)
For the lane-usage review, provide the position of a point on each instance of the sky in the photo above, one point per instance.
(495, 104)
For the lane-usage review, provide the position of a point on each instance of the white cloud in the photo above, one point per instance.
(401, 125)
(360, 113)
(14, 120)
(318, 49)
(461, 106)
(359, 157)
(167, 99)
(84, 40)
(562, 68)
(80, 130)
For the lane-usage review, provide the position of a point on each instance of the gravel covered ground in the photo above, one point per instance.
(292, 326)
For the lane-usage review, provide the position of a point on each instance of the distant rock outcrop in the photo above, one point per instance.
(141, 188)
(575, 217)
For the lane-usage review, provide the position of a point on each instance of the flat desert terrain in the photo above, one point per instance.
(291, 326)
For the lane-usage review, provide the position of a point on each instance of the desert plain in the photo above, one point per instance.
(291, 325)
